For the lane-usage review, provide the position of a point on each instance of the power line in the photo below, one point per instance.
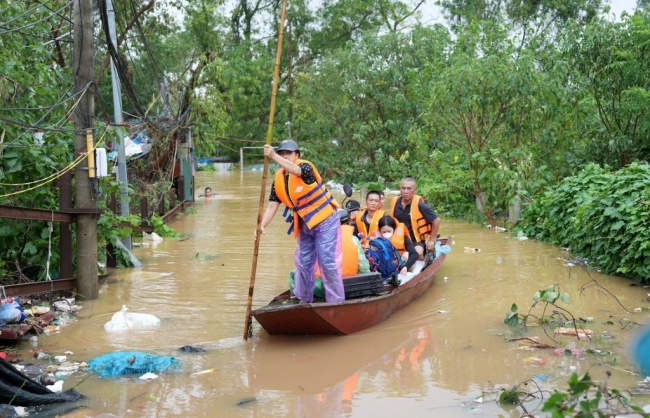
(19, 16)
(32, 127)
(55, 176)
(33, 23)
(58, 103)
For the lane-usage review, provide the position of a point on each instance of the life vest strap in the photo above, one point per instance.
(288, 215)
(311, 192)
(311, 201)
(311, 214)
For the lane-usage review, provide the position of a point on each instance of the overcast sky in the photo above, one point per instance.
(431, 12)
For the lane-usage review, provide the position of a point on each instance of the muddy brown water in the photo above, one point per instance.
(438, 356)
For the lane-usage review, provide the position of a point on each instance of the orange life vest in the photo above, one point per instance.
(421, 227)
(312, 203)
(361, 225)
(397, 239)
(350, 253)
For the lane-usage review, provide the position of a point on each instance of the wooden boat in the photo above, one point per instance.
(284, 316)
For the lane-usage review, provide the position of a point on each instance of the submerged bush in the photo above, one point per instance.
(600, 214)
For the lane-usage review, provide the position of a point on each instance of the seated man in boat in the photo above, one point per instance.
(420, 220)
(353, 207)
(382, 199)
(367, 219)
(354, 259)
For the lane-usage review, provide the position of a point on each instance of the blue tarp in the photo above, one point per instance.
(131, 362)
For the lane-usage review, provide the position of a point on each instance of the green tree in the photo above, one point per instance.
(490, 102)
(612, 60)
(356, 109)
(35, 92)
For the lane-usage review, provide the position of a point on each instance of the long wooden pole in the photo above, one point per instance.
(248, 330)
(84, 122)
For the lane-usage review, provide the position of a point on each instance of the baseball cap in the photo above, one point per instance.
(352, 205)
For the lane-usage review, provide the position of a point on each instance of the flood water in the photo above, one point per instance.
(435, 357)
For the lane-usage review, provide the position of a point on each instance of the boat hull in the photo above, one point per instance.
(282, 318)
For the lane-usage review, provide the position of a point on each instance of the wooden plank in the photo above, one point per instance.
(39, 287)
(141, 228)
(14, 331)
(17, 212)
(174, 211)
(83, 211)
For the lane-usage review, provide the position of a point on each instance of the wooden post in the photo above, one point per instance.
(111, 259)
(84, 123)
(181, 188)
(172, 198)
(65, 228)
(248, 330)
(144, 208)
(160, 208)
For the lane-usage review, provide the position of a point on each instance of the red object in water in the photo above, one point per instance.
(3, 355)
(322, 318)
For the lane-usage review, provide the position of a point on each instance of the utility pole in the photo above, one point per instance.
(119, 119)
(290, 80)
(84, 123)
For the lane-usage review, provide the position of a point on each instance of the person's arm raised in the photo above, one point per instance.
(289, 166)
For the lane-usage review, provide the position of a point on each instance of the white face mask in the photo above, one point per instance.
(387, 235)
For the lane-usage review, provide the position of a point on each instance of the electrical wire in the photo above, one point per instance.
(19, 16)
(58, 174)
(45, 179)
(226, 146)
(58, 14)
(32, 127)
(233, 139)
(61, 100)
(33, 23)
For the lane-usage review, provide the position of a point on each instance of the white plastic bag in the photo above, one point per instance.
(123, 320)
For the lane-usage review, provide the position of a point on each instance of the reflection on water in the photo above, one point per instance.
(433, 357)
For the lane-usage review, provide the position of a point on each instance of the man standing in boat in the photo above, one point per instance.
(420, 220)
(314, 221)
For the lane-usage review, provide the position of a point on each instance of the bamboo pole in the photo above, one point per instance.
(248, 330)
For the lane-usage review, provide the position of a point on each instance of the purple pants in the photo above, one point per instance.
(323, 242)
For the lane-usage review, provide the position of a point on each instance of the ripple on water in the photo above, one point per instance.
(418, 353)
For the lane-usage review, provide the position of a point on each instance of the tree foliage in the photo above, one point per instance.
(602, 215)
(613, 61)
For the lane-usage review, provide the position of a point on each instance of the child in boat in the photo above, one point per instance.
(395, 232)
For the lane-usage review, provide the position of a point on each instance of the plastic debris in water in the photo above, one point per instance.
(203, 372)
(246, 401)
(192, 349)
(149, 376)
